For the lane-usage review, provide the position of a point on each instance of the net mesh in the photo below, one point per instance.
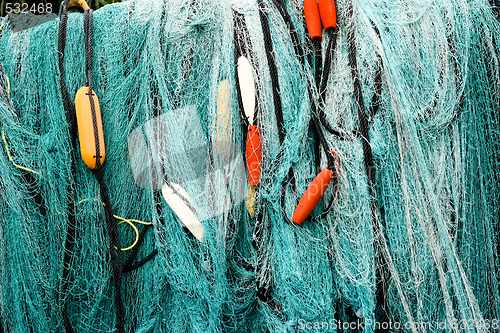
(165, 75)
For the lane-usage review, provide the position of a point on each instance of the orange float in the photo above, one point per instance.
(313, 21)
(254, 155)
(312, 196)
(328, 14)
(84, 118)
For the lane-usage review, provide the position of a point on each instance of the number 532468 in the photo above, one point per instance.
(20, 8)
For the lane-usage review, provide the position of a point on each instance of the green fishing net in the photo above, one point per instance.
(418, 248)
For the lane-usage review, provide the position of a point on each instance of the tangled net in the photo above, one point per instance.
(410, 238)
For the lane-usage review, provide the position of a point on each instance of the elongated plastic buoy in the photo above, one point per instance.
(250, 200)
(312, 196)
(223, 122)
(181, 203)
(8, 84)
(313, 20)
(86, 125)
(328, 13)
(254, 155)
(247, 88)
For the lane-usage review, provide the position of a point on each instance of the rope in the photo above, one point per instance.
(259, 242)
(113, 240)
(264, 291)
(239, 23)
(88, 51)
(69, 244)
(299, 51)
(71, 118)
(140, 262)
(110, 222)
(327, 66)
(319, 139)
(368, 159)
(68, 105)
(273, 71)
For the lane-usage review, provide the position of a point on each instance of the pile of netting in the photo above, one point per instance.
(176, 231)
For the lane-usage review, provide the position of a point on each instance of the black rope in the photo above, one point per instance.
(362, 117)
(114, 240)
(368, 159)
(495, 5)
(318, 61)
(68, 105)
(69, 243)
(319, 139)
(322, 74)
(88, 51)
(377, 94)
(268, 45)
(273, 71)
(110, 222)
(259, 242)
(133, 255)
(321, 78)
(72, 224)
(139, 263)
(317, 76)
(332, 43)
(281, 6)
(264, 293)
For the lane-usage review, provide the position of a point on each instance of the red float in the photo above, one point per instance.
(313, 21)
(313, 195)
(328, 14)
(254, 155)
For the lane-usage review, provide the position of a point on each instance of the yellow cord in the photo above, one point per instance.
(199, 195)
(122, 220)
(10, 157)
(136, 235)
(24, 168)
(130, 222)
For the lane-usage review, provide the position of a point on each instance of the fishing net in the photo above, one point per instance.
(405, 117)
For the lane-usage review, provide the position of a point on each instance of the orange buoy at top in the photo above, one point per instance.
(85, 121)
(328, 13)
(312, 196)
(313, 21)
